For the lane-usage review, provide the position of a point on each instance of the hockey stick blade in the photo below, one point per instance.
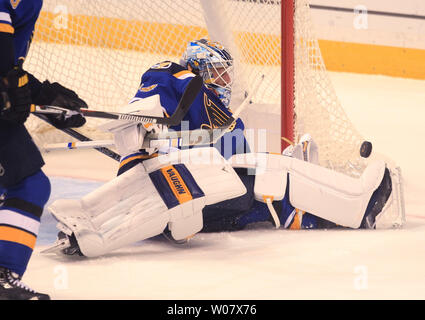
(188, 97)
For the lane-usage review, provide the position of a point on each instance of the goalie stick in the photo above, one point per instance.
(189, 95)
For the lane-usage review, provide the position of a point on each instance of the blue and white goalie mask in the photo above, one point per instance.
(214, 64)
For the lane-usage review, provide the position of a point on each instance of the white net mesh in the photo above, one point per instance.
(317, 108)
(100, 49)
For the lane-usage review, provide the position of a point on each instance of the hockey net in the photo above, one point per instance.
(100, 49)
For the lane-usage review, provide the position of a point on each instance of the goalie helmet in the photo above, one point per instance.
(213, 63)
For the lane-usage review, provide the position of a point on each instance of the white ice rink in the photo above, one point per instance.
(262, 263)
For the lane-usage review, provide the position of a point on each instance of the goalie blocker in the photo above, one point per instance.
(172, 190)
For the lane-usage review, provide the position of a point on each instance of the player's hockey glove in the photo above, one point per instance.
(57, 95)
(15, 101)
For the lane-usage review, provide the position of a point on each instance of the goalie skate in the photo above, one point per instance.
(66, 243)
(393, 213)
(59, 245)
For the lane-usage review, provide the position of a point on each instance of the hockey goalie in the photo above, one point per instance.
(179, 192)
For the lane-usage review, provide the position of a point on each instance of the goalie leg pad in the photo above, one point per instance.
(140, 203)
(115, 215)
(178, 189)
(331, 195)
(322, 192)
(123, 211)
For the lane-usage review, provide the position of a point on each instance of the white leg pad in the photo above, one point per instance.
(320, 191)
(130, 208)
(125, 210)
(331, 195)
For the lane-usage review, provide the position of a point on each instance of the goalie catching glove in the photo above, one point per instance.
(57, 95)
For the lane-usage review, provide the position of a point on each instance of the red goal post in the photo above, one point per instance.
(287, 75)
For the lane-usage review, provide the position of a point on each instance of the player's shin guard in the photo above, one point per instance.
(20, 220)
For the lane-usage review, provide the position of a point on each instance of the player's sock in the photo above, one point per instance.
(20, 220)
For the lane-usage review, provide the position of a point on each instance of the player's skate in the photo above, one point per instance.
(12, 288)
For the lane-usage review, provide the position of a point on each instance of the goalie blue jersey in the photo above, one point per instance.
(169, 80)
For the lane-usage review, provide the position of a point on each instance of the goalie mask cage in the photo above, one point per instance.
(100, 49)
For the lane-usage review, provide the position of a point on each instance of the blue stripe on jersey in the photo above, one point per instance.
(14, 256)
(34, 189)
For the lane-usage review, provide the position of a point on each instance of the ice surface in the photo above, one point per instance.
(262, 263)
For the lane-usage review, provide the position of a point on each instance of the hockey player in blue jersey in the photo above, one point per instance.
(24, 186)
(183, 192)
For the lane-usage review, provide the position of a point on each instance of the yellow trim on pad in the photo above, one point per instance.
(139, 156)
(177, 184)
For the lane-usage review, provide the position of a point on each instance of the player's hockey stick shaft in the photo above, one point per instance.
(198, 137)
(79, 145)
(79, 136)
(100, 143)
(189, 138)
(189, 95)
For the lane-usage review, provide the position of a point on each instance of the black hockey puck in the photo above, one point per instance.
(366, 149)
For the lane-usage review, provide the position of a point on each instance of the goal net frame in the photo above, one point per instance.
(100, 49)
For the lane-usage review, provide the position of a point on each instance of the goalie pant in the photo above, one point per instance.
(172, 191)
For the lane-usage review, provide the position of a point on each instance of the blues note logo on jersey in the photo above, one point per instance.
(14, 3)
(216, 117)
